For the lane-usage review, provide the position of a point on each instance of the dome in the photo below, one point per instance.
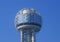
(27, 11)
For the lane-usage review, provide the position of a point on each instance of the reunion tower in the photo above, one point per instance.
(27, 22)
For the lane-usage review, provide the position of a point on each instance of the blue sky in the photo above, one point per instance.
(49, 10)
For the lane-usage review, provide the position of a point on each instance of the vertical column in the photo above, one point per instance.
(29, 36)
(33, 37)
(22, 36)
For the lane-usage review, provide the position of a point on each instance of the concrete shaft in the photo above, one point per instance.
(27, 36)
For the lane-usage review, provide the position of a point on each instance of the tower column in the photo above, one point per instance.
(29, 36)
(33, 37)
(22, 36)
(26, 36)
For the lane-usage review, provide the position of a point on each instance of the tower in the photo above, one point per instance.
(27, 22)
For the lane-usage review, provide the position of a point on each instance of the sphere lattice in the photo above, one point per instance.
(28, 19)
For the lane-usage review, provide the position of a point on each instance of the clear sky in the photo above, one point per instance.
(49, 10)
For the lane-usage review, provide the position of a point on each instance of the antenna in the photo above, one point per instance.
(27, 22)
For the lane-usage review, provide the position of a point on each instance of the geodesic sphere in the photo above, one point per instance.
(28, 19)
